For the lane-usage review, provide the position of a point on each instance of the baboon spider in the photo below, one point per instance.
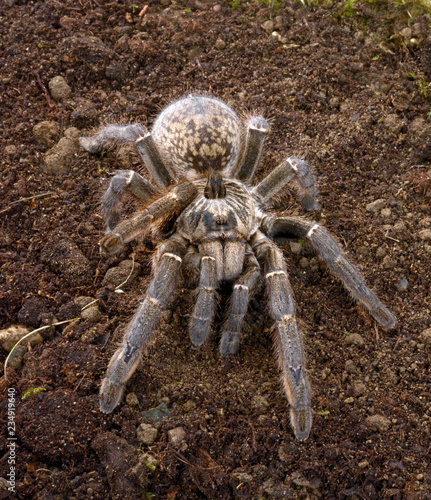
(202, 158)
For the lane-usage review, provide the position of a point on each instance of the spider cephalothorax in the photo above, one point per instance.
(201, 158)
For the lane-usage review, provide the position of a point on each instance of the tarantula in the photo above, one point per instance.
(201, 158)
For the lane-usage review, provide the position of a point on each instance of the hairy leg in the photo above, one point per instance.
(291, 169)
(332, 254)
(166, 206)
(288, 342)
(203, 313)
(144, 143)
(111, 133)
(125, 181)
(257, 130)
(126, 359)
(239, 304)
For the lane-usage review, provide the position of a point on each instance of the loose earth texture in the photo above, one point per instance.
(346, 87)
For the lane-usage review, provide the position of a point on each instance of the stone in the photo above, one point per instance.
(64, 256)
(378, 423)
(359, 389)
(11, 335)
(425, 337)
(46, 133)
(354, 339)
(403, 284)
(59, 158)
(58, 88)
(295, 247)
(15, 359)
(176, 436)
(260, 403)
(375, 206)
(91, 314)
(122, 275)
(268, 26)
(425, 234)
(132, 399)
(220, 44)
(146, 433)
(157, 413)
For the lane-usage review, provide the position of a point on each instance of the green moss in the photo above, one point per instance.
(31, 391)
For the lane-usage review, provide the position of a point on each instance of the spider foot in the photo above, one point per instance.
(111, 243)
(199, 330)
(110, 395)
(229, 343)
(301, 420)
(384, 317)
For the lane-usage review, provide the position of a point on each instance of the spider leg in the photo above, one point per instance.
(173, 202)
(203, 313)
(144, 143)
(330, 251)
(106, 135)
(239, 304)
(291, 169)
(288, 343)
(257, 130)
(127, 357)
(125, 181)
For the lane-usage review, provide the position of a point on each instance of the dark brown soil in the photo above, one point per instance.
(346, 88)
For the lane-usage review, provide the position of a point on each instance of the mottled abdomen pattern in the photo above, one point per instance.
(198, 134)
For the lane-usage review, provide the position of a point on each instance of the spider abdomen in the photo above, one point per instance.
(198, 134)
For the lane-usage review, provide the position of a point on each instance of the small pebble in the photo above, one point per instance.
(350, 366)
(10, 149)
(177, 435)
(268, 26)
(403, 284)
(260, 403)
(189, 406)
(388, 262)
(82, 301)
(375, 206)
(59, 158)
(295, 247)
(425, 337)
(146, 433)
(16, 357)
(132, 399)
(304, 263)
(58, 88)
(354, 339)
(242, 477)
(220, 44)
(46, 133)
(425, 234)
(157, 413)
(91, 314)
(425, 222)
(122, 275)
(378, 423)
(11, 335)
(359, 389)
